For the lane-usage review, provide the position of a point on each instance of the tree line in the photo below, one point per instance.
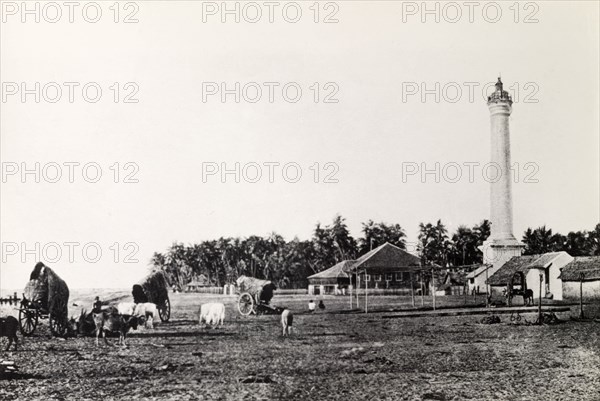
(289, 263)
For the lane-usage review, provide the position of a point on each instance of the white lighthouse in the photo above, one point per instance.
(501, 244)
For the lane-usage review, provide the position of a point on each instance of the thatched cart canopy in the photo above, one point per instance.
(48, 290)
(263, 289)
(153, 288)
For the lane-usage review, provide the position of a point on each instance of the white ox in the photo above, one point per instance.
(287, 319)
(212, 313)
(126, 308)
(148, 311)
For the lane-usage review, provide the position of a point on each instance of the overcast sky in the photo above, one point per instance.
(375, 62)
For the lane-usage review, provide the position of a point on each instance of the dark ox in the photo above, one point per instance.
(114, 323)
(8, 328)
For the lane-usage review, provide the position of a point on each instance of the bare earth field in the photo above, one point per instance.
(331, 356)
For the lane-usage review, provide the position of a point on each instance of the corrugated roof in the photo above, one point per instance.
(339, 270)
(589, 266)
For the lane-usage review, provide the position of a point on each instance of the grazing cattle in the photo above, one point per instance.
(126, 308)
(212, 313)
(528, 297)
(114, 323)
(287, 318)
(148, 311)
(8, 328)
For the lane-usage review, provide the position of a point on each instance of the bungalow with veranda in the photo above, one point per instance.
(388, 267)
(385, 267)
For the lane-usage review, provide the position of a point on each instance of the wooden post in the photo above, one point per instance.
(581, 277)
(412, 289)
(357, 288)
(433, 286)
(366, 293)
(350, 287)
(487, 295)
(540, 300)
(422, 290)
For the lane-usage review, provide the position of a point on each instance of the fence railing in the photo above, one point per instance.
(14, 300)
(297, 291)
(207, 290)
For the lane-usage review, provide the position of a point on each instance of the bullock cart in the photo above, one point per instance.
(154, 288)
(46, 296)
(254, 296)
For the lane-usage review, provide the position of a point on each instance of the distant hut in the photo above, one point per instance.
(197, 285)
(452, 283)
(476, 279)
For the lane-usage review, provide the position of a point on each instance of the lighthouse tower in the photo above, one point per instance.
(501, 244)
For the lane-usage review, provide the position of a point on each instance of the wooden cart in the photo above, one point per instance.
(154, 289)
(254, 296)
(46, 296)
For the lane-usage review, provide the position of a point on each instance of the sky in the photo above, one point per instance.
(373, 97)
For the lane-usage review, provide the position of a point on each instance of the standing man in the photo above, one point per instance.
(97, 307)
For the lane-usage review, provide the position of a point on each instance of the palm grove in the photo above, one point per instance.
(289, 263)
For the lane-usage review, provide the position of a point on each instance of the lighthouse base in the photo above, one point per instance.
(497, 252)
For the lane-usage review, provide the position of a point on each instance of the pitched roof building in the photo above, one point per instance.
(581, 278)
(387, 258)
(525, 271)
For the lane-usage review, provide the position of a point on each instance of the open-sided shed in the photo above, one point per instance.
(331, 280)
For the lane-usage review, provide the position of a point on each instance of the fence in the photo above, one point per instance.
(207, 290)
(383, 291)
(297, 291)
(14, 300)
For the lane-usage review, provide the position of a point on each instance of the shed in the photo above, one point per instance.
(332, 280)
(477, 277)
(196, 285)
(581, 274)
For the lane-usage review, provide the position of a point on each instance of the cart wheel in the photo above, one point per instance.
(28, 320)
(164, 311)
(58, 327)
(246, 304)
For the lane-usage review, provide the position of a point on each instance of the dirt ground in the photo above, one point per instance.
(331, 356)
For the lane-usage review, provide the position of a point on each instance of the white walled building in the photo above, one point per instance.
(528, 269)
(581, 274)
